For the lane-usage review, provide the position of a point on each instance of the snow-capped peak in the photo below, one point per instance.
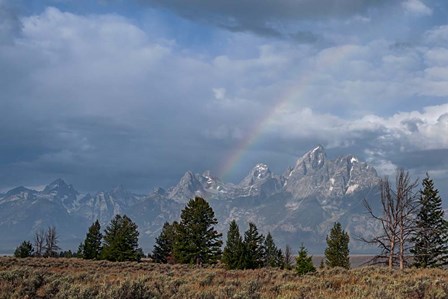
(260, 170)
(59, 186)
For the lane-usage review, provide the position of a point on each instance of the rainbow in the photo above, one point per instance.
(291, 95)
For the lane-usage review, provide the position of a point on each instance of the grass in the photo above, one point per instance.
(75, 278)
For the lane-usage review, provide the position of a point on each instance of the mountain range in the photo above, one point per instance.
(298, 206)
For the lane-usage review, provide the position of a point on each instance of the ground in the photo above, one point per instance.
(76, 278)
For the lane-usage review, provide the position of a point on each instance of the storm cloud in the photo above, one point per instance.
(104, 98)
(267, 17)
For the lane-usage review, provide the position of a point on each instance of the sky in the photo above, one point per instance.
(137, 92)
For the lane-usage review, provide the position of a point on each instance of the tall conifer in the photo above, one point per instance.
(163, 249)
(254, 252)
(337, 252)
(304, 262)
(233, 252)
(197, 241)
(431, 232)
(273, 256)
(92, 243)
(121, 240)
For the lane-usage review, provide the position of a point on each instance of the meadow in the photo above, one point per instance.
(77, 278)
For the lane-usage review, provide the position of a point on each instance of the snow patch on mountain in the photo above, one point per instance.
(302, 204)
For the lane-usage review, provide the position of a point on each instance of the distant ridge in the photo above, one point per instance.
(298, 206)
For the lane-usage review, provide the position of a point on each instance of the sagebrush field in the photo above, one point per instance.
(76, 278)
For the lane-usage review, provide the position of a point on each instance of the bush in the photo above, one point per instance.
(24, 250)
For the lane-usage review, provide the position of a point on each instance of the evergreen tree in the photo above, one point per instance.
(337, 252)
(92, 243)
(80, 252)
(197, 241)
(304, 263)
(24, 250)
(280, 259)
(66, 254)
(253, 255)
(431, 231)
(121, 240)
(273, 256)
(322, 264)
(163, 248)
(233, 251)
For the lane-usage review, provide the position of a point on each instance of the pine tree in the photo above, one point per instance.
(431, 232)
(273, 256)
(304, 263)
(337, 252)
(24, 250)
(121, 240)
(280, 259)
(163, 248)
(80, 251)
(92, 244)
(67, 254)
(322, 264)
(197, 241)
(233, 251)
(254, 252)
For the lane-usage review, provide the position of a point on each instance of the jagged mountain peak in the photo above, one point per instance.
(58, 182)
(210, 177)
(314, 159)
(318, 148)
(190, 179)
(19, 190)
(349, 159)
(261, 182)
(315, 175)
(188, 187)
(59, 186)
(308, 198)
(209, 181)
(208, 173)
(260, 171)
(120, 190)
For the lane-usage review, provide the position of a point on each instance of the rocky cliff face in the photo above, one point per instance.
(299, 206)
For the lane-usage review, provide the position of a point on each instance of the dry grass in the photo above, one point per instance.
(74, 278)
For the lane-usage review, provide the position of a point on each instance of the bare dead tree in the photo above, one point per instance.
(407, 203)
(51, 242)
(397, 220)
(288, 258)
(39, 239)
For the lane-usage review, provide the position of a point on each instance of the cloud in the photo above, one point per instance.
(9, 22)
(266, 17)
(100, 101)
(416, 7)
(437, 36)
(220, 93)
(94, 93)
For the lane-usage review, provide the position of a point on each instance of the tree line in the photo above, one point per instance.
(119, 243)
(45, 244)
(413, 232)
(194, 240)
